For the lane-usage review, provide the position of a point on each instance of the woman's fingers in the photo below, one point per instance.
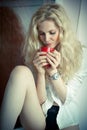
(40, 59)
(40, 62)
(54, 58)
(38, 54)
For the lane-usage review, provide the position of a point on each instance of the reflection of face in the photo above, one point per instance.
(48, 33)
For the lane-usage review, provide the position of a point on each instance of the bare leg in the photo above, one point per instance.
(21, 97)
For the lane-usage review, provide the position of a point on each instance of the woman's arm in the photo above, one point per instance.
(39, 63)
(58, 85)
(54, 60)
(41, 87)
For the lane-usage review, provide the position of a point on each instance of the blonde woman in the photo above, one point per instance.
(46, 98)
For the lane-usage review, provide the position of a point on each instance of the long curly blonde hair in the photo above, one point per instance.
(69, 47)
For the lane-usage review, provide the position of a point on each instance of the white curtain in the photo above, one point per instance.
(77, 11)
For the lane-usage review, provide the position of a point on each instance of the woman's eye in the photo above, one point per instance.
(52, 33)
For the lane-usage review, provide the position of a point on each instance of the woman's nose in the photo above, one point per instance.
(47, 38)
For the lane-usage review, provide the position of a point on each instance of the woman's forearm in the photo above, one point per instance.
(41, 87)
(59, 86)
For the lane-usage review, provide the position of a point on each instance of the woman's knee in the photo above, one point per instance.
(21, 76)
(22, 72)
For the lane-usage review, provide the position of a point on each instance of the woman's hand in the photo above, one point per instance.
(40, 60)
(53, 58)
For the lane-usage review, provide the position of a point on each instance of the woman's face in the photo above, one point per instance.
(48, 33)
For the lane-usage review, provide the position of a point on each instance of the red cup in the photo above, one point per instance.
(47, 49)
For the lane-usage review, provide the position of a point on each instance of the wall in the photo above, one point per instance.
(77, 11)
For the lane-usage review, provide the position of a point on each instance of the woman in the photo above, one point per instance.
(34, 89)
